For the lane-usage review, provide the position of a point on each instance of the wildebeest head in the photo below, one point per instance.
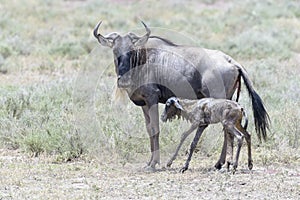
(172, 109)
(124, 50)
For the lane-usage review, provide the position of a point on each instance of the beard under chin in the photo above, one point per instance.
(124, 83)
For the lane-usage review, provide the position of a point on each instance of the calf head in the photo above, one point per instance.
(124, 49)
(172, 109)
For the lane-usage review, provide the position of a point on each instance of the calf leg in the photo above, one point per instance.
(229, 151)
(222, 158)
(239, 135)
(193, 146)
(247, 136)
(248, 140)
(238, 150)
(183, 137)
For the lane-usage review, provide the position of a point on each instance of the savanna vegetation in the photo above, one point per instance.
(57, 82)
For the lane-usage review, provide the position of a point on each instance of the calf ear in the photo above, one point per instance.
(176, 103)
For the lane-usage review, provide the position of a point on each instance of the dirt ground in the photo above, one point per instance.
(23, 177)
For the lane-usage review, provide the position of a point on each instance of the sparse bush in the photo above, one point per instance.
(71, 50)
(5, 50)
(37, 119)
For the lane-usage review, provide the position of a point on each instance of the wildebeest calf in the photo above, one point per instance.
(210, 111)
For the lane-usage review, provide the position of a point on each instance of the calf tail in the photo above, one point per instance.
(246, 119)
(261, 117)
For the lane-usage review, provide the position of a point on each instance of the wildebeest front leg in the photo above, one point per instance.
(152, 125)
(183, 137)
(192, 148)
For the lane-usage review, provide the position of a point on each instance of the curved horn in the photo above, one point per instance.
(96, 34)
(139, 41)
(105, 41)
(147, 29)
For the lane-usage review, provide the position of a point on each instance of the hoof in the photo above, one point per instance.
(218, 166)
(223, 170)
(234, 168)
(149, 169)
(233, 171)
(250, 165)
(169, 164)
(228, 166)
(182, 170)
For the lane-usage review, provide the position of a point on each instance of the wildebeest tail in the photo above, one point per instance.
(261, 117)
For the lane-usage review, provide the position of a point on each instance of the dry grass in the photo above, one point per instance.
(39, 178)
(56, 84)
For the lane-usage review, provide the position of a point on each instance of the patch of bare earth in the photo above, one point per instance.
(23, 177)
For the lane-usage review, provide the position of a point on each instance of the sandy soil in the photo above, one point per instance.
(22, 177)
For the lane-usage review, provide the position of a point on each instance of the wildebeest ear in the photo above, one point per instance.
(140, 42)
(103, 41)
(108, 40)
(134, 37)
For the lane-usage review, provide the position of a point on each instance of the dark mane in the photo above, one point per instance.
(138, 57)
(164, 40)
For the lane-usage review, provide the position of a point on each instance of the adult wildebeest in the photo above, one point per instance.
(152, 69)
